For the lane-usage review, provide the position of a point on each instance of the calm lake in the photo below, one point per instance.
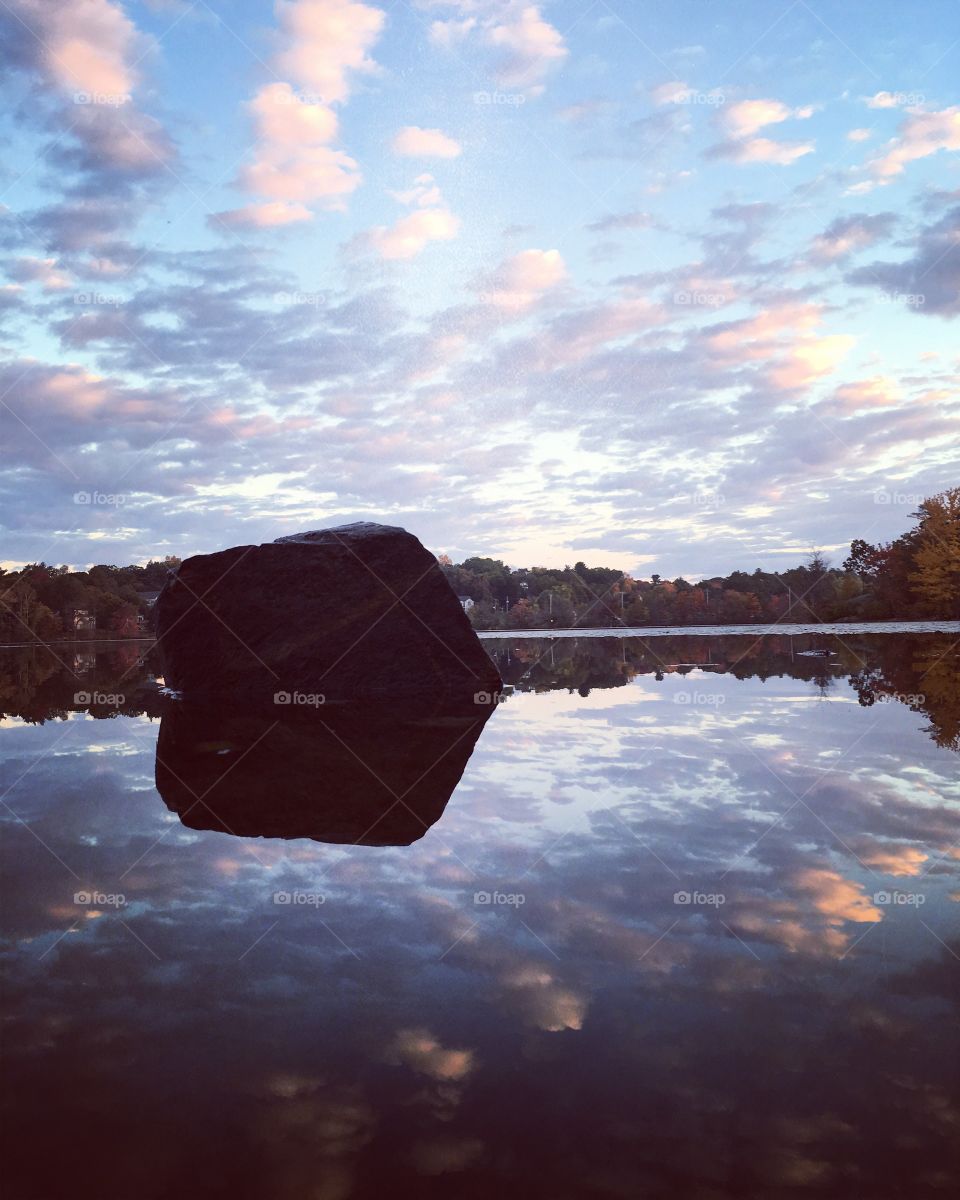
(688, 926)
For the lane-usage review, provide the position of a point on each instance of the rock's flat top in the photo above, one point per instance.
(356, 614)
(343, 534)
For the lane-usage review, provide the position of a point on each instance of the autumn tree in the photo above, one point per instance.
(935, 578)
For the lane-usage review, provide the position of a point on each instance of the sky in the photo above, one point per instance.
(670, 287)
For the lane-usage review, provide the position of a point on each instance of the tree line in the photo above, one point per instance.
(39, 601)
(915, 576)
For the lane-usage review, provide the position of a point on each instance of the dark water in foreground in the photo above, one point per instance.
(688, 927)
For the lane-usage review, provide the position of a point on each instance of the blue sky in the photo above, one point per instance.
(665, 286)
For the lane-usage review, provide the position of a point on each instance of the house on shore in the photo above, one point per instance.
(79, 620)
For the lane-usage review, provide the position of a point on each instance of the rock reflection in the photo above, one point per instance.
(377, 779)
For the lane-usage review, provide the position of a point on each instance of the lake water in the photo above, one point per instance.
(688, 926)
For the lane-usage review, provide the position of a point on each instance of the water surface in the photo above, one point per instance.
(687, 926)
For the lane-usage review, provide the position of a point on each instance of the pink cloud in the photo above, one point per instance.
(412, 234)
(414, 142)
(528, 46)
(810, 359)
(921, 134)
(878, 392)
(294, 164)
(422, 193)
(836, 898)
(326, 41)
(893, 859)
(764, 150)
(88, 45)
(452, 32)
(44, 271)
(265, 216)
(519, 282)
(746, 117)
(531, 46)
(786, 340)
(87, 52)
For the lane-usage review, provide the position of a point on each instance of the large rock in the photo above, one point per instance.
(356, 615)
(380, 778)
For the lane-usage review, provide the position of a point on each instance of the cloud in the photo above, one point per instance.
(846, 235)
(920, 135)
(930, 278)
(838, 899)
(674, 92)
(677, 92)
(527, 46)
(421, 1050)
(891, 858)
(890, 99)
(295, 166)
(450, 33)
(516, 284)
(422, 193)
(761, 150)
(859, 135)
(644, 138)
(785, 340)
(879, 392)
(414, 142)
(86, 55)
(809, 360)
(84, 47)
(740, 121)
(531, 45)
(614, 222)
(747, 117)
(411, 235)
(263, 216)
(326, 41)
(584, 111)
(44, 271)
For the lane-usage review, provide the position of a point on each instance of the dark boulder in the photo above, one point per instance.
(380, 778)
(356, 615)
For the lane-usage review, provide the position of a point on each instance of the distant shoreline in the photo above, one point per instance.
(77, 642)
(751, 630)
